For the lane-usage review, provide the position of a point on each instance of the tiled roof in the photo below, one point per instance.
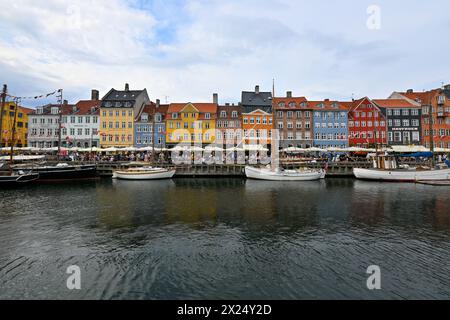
(84, 107)
(395, 103)
(287, 101)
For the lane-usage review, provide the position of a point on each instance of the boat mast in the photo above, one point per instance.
(430, 120)
(5, 89)
(13, 133)
(60, 121)
(153, 134)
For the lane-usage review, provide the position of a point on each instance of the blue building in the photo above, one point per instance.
(150, 126)
(330, 123)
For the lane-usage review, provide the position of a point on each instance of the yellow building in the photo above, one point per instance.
(117, 127)
(191, 123)
(21, 131)
(117, 113)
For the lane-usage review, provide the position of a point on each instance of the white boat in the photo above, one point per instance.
(402, 175)
(386, 169)
(283, 175)
(144, 173)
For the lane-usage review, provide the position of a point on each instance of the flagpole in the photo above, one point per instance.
(5, 89)
(13, 133)
(60, 122)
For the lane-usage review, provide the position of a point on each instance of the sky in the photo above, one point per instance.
(186, 50)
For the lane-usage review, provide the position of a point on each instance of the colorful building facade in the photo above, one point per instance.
(150, 126)
(366, 124)
(293, 119)
(80, 125)
(330, 120)
(404, 125)
(191, 123)
(438, 100)
(20, 138)
(117, 114)
(257, 128)
(229, 125)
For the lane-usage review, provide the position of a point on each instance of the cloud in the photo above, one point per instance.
(188, 49)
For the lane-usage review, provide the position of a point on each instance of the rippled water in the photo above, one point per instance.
(225, 239)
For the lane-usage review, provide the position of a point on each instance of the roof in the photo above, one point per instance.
(122, 95)
(421, 97)
(151, 109)
(48, 108)
(84, 107)
(328, 105)
(26, 110)
(251, 98)
(201, 107)
(287, 101)
(395, 103)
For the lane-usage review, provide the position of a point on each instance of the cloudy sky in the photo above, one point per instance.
(184, 50)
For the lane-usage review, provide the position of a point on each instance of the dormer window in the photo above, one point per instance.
(207, 115)
(303, 104)
(281, 104)
(54, 110)
(321, 105)
(93, 109)
(144, 117)
(175, 115)
(40, 110)
(335, 105)
(292, 104)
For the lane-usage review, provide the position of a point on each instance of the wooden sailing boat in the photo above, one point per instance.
(275, 173)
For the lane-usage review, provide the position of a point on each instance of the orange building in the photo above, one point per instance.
(257, 126)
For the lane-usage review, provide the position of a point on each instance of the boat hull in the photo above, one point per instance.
(64, 173)
(10, 181)
(123, 175)
(264, 174)
(402, 175)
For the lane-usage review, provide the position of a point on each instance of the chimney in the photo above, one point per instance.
(327, 100)
(257, 89)
(158, 103)
(65, 102)
(127, 87)
(289, 94)
(95, 95)
(410, 91)
(215, 98)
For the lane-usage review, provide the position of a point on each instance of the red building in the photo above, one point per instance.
(366, 124)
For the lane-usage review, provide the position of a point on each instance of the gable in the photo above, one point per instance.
(190, 108)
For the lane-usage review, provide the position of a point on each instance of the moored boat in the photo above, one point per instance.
(144, 173)
(62, 172)
(18, 179)
(386, 169)
(283, 175)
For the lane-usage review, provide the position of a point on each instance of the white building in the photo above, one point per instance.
(43, 126)
(81, 125)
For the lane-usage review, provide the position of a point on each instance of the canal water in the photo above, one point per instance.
(225, 239)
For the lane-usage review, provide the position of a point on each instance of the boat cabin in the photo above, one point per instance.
(385, 162)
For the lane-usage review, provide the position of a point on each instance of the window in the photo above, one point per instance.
(415, 122)
(208, 116)
(415, 112)
(405, 112)
(234, 114)
(397, 123)
(245, 120)
(223, 114)
(405, 122)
